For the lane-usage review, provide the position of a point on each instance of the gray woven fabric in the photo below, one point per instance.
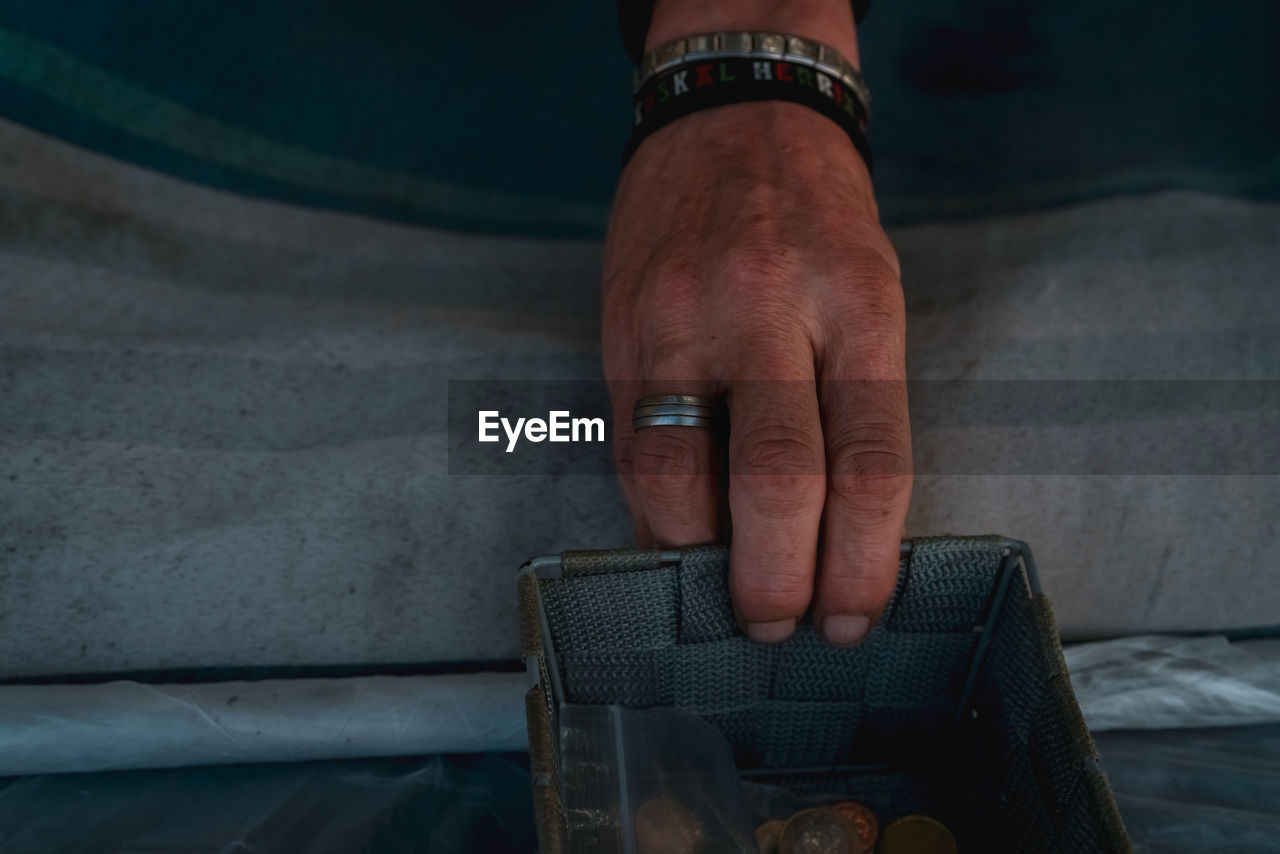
(806, 671)
(608, 676)
(630, 610)
(743, 677)
(705, 613)
(1016, 775)
(949, 584)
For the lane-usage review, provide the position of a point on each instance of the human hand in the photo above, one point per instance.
(745, 259)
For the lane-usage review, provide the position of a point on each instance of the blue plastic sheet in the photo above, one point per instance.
(477, 802)
(1180, 791)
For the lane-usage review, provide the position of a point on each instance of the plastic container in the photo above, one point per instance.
(648, 781)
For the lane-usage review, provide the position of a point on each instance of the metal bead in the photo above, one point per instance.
(770, 44)
(698, 47)
(802, 50)
(735, 44)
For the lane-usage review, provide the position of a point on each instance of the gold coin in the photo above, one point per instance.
(917, 834)
(767, 836)
(820, 830)
(864, 820)
(663, 826)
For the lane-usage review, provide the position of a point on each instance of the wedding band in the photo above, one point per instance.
(672, 410)
(686, 399)
(670, 421)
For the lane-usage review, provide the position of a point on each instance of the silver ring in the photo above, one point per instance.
(670, 421)
(672, 410)
(686, 399)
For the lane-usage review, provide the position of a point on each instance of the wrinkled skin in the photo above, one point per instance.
(745, 259)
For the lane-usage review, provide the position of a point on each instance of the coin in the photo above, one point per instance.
(663, 826)
(767, 836)
(820, 830)
(917, 834)
(868, 826)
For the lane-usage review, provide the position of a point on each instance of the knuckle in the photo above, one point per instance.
(877, 300)
(873, 485)
(869, 267)
(780, 450)
(782, 472)
(770, 340)
(874, 259)
(871, 464)
(866, 330)
(674, 278)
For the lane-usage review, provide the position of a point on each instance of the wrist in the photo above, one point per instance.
(740, 143)
(826, 21)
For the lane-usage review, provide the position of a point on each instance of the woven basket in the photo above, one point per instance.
(956, 705)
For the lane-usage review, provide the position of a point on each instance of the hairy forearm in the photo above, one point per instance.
(826, 21)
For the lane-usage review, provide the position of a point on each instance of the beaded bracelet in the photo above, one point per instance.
(701, 72)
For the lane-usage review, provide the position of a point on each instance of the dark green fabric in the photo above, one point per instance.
(511, 117)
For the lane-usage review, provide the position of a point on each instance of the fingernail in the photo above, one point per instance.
(778, 630)
(845, 629)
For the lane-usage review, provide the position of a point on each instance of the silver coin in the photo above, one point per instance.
(821, 830)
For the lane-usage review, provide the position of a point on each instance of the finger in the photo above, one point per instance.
(868, 438)
(674, 471)
(624, 448)
(776, 490)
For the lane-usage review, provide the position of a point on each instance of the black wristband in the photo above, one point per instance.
(701, 85)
